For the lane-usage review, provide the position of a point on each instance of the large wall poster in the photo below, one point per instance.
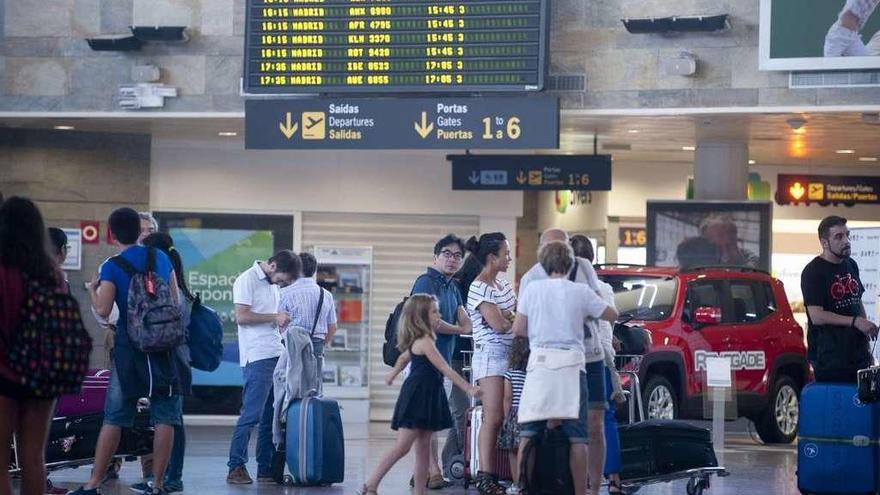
(819, 35)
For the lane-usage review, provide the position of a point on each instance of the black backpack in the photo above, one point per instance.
(390, 354)
(389, 348)
(552, 472)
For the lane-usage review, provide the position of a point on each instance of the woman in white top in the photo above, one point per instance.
(490, 304)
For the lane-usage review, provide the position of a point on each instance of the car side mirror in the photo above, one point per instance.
(707, 315)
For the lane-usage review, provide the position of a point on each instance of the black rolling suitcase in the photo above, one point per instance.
(658, 447)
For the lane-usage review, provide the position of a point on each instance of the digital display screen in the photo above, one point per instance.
(375, 46)
(689, 234)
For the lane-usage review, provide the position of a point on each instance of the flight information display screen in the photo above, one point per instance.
(401, 46)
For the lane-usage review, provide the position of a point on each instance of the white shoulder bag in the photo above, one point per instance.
(552, 388)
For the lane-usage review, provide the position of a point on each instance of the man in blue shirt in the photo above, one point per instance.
(437, 281)
(160, 376)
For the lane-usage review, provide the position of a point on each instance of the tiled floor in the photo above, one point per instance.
(754, 468)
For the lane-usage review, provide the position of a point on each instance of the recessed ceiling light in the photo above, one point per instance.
(752, 162)
(845, 152)
(633, 131)
(688, 148)
(64, 127)
(227, 134)
(868, 159)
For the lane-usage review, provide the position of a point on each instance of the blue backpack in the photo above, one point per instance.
(205, 337)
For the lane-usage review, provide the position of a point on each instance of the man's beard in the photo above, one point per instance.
(841, 254)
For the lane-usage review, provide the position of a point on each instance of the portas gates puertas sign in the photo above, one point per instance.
(827, 189)
(531, 172)
(404, 123)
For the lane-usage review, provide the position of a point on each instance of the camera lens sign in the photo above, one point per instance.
(412, 123)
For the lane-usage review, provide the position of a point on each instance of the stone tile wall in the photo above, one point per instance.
(75, 176)
(46, 65)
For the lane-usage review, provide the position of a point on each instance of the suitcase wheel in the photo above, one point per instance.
(456, 468)
(287, 480)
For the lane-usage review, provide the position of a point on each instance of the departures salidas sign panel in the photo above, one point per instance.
(395, 123)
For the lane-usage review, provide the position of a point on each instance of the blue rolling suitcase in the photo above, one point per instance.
(837, 441)
(314, 443)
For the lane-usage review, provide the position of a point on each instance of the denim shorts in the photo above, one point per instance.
(574, 429)
(489, 360)
(120, 411)
(596, 393)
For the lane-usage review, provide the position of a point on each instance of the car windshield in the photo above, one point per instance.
(639, 297)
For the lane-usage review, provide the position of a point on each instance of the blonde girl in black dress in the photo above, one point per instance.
(422, 407)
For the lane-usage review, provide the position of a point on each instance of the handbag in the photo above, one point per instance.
(552, 386)
(869, 385)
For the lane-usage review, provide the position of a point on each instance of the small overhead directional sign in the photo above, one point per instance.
(403, 123)
(531, 172)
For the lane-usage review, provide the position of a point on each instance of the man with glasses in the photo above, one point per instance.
(437, 281)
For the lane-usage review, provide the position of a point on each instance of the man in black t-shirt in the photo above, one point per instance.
(838, 332)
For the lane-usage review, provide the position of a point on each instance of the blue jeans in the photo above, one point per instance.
(256, 409)
(318, 347)
(120, 410)
(175, 463)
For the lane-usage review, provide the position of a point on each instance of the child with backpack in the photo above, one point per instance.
(422, 407)
(514, 379)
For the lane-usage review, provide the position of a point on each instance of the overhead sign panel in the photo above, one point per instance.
(341, 46)
(417, 123)
(531, 172)
(827, 189)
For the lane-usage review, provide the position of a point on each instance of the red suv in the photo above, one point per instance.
(739, 313)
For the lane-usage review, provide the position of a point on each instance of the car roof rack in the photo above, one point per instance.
(736, 268)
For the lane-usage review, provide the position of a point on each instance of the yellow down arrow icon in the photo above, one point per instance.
(289, 127)
(425, 128)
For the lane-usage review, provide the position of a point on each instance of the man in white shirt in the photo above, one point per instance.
(312, 310)
(583, 274)
(256, 297)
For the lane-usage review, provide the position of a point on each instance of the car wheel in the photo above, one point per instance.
(779, 423)
(659, 399)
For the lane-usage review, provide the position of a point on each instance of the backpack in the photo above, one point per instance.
(390, 353)
(49, 348)
(154, 323)
(550, 451)
(205, 337)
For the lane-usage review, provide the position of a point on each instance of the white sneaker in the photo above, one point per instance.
(513, 490)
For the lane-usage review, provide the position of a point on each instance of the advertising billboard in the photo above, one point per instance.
(802, 35)
(688, 234)
(215, 249)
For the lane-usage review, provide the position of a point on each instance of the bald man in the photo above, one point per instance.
(583, 273)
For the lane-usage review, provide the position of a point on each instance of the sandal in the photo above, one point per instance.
(365, 490)
(436, 482)
(614, 487)
(487, 484)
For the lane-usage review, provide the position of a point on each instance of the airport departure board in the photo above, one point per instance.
(400, 46)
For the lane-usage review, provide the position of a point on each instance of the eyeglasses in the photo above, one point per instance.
(449, 254)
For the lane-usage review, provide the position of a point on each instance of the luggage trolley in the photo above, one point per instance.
(699, 479)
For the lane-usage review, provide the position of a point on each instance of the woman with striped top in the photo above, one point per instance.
(491, 304)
